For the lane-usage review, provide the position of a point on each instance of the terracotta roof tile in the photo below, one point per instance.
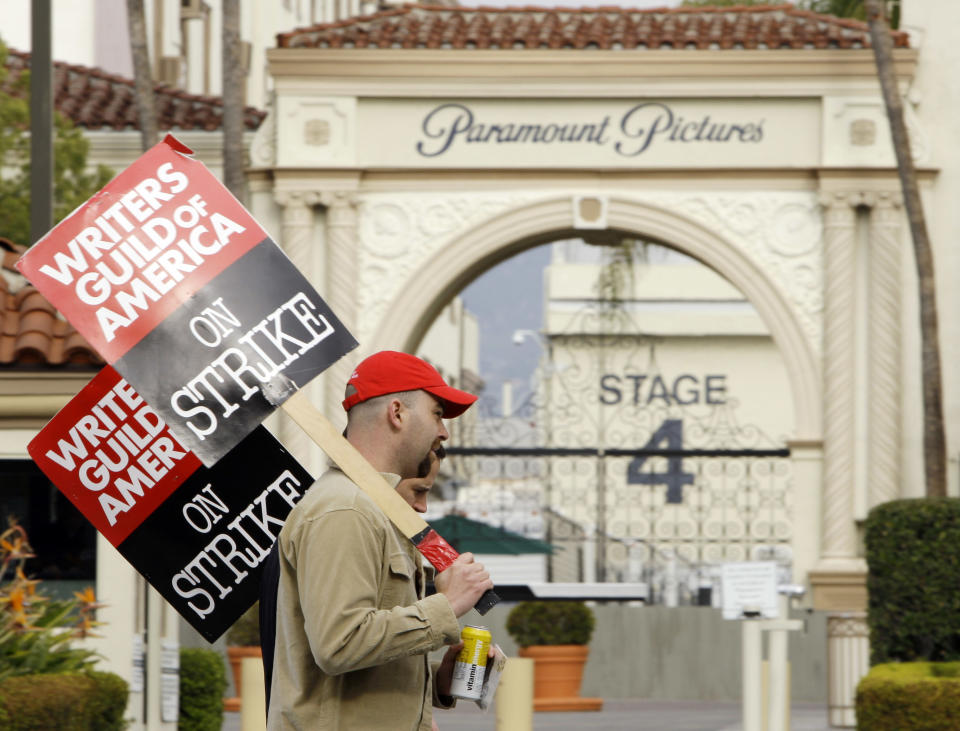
(94, 99)
(440, 27)
(32, 333)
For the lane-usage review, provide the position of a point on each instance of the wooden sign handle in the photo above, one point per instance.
(318, 427)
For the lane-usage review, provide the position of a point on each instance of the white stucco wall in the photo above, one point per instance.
(94, 33)
(935, 99)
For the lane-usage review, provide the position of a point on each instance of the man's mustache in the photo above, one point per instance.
(423, 469)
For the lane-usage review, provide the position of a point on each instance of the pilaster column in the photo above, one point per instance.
(296, 227)
(839, 580)
(341, 290)
(848, 660)
(838, 536)
(296, 231)
(884, 349)
(194, 36)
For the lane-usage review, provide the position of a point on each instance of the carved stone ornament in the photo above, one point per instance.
(590, 212)
(316, 132)
(919, 140)
(399, 232)
(781, 232)
(297, 204)
(863, 132)
(848, 624)
(297, 224)
(263, 149)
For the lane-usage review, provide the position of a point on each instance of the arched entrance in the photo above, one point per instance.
(461, 260)
(450, 269)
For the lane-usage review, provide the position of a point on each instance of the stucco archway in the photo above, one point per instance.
(456, 264)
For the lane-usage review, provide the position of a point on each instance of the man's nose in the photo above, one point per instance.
(444, 434)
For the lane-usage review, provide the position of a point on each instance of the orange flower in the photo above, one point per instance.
(17, 599)
(18, 548)
(86, 596)
(30, 585)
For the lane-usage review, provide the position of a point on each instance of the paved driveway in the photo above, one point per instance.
(621, 715)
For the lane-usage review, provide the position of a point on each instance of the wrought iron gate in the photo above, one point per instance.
(630, 473)
(668, 527)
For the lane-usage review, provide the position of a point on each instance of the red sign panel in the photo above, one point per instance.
(112, 455)
(135, 251)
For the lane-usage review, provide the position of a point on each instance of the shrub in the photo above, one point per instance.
(109, 701)
(35, 630)
(918, 696)
(550, 623)
(45, 682)
(63, 701)
(203, 679)
(914, 605)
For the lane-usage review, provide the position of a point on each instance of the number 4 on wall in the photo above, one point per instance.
(669, 436)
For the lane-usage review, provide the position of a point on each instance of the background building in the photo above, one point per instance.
(184, 38)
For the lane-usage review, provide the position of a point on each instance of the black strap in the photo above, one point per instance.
(269, 587)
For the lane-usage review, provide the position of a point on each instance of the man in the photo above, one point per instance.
(353, 625)
(416, 489)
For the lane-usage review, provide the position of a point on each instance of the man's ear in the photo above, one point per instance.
(396, 413)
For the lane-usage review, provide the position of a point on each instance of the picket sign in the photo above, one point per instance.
(205, 318)
(179, 288)
(434, 548)
(197, 534)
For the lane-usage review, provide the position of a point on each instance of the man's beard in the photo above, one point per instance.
(423, 469)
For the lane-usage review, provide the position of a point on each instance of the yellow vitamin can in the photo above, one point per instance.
(471, 663)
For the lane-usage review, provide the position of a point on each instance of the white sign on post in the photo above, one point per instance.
(139, 661)
(170, 681)
(750, 586)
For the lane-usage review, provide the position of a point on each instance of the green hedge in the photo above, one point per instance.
(203, 679)
(910, 696)
(913, 580)
(109, 701)
(92, 701)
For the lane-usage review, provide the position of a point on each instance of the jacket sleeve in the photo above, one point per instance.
(342, 584)
(440, 701)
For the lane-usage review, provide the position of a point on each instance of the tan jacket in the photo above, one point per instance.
(352, 627)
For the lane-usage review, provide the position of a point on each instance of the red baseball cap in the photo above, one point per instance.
(392, 372)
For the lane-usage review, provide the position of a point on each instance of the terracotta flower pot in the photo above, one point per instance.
(557, 674)
(235, 655)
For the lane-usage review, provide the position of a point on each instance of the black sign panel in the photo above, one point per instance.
(234, 351)
(203, 547)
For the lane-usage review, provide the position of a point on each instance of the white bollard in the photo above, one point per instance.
(778, 675)
(752, 651)
(514, 699)
(778, 708)
(777, 718)
(253, 709)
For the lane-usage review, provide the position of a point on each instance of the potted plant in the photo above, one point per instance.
(243, 640)
(555, 635)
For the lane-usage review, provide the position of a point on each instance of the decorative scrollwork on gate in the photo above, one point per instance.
(630, 473)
